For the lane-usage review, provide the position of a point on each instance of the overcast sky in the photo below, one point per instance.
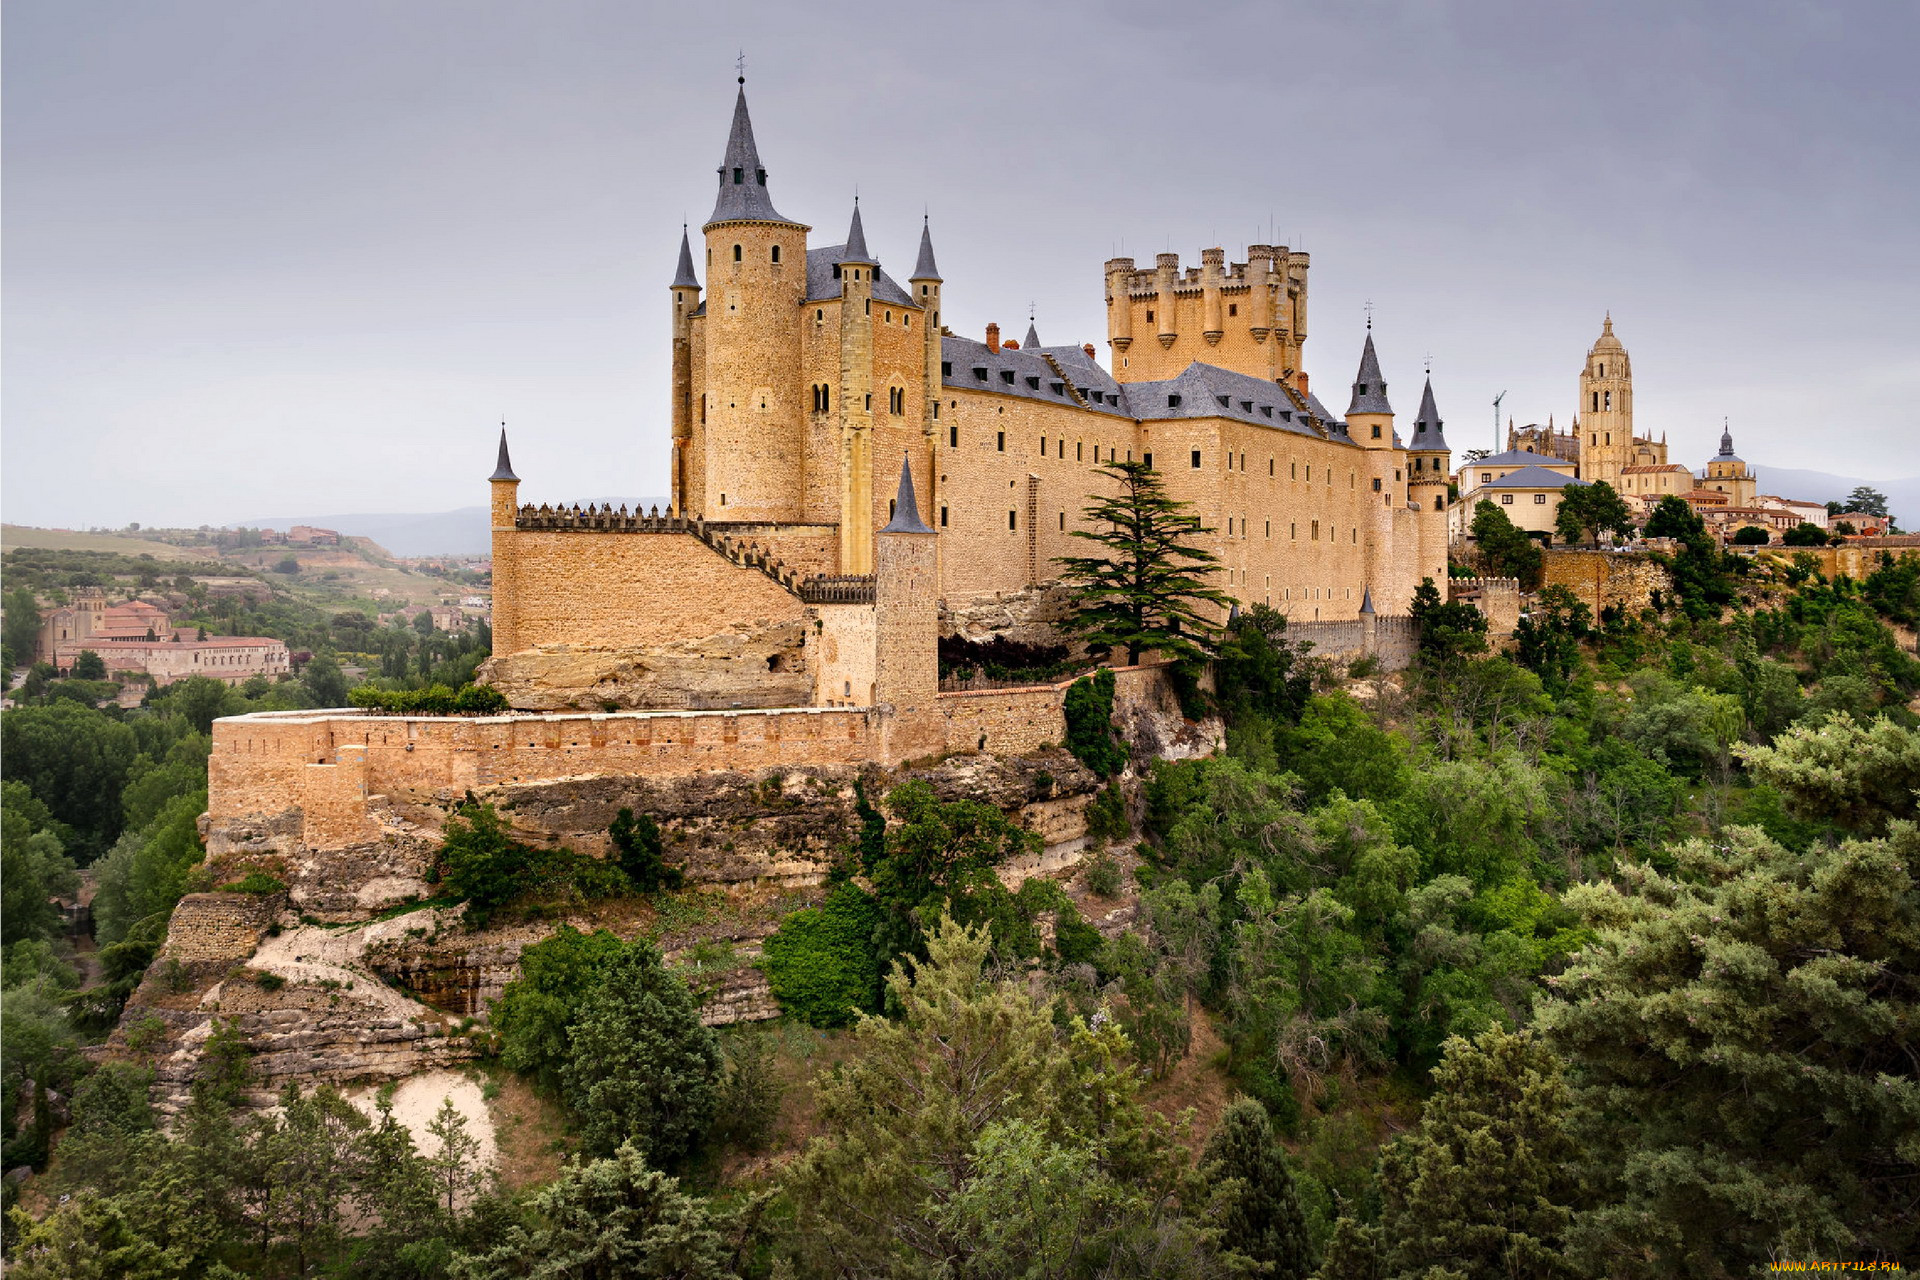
(301, 257)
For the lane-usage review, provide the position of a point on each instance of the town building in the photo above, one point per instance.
(178, 655)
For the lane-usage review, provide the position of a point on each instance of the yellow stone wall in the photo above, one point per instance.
(1249, 317)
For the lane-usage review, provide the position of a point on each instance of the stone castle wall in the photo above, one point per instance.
(1497, 598)
(220, 927)
(1621, 580)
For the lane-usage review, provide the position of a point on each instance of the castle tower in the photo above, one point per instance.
(924, 286)
(1370, 425)
(857, 269)
(906, 591)
(1428, 460)
(752, 411)
(1249, 316)
(686, 300)
(1606, 408)
(1729, 473)
(505, 504)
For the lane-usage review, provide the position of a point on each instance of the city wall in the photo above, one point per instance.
(1621, 580)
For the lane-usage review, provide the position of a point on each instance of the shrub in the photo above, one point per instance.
(255, 882)
(750, 1096)
(268, 981)
(538, 1009)
(637, 847)
(1107, 816)
(1104, 877)
(1089, 714)
(434, 700)
(482, 865)
(821, 964)
(1748, 535)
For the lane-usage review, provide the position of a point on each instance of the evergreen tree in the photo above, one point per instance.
(641, 1066)
(1452, 629)
(1148, 590)
(88, 665)
(609, 1219)
(637, 846)
(1253, 1194)
(1258, 671)
(1863, 777)
(1740, 1041)
(1589, 510)
(1547, 639)
(1481, 1189)
(1505, 550)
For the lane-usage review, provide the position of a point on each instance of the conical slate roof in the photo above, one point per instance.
(1032, 341)
(856, 246)
(924, 267)
(683, 277)
(1369, 386)
(503, 469)
(743, 182)
(1726, 453)
(1426, 427)
(1366, 600)
(906, 510)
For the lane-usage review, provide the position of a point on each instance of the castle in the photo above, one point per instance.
(804, 377)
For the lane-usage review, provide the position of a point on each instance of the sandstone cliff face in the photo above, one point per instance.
(1032, 616)
(749, 665)
(324, 990)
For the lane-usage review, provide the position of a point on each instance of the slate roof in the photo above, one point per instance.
(1518, 458)
(683, 277)
(1026, 374)
(856, 246)
(1032, 341)
(906, 508)
(924, 267)
(743, 181)
(1726, 453)
(503, 469)
(1369, 385)
(1427, 432)
(823, 282)
(1531, 478)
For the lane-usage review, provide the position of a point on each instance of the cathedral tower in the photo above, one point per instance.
(750, 421)
(1728, 472)
(1606, 409)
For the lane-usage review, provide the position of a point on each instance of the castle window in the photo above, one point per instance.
(1149, 315)
(1173, 402)
(1269, 529)
(1043, 446)
(1033, 384)
(1233, 308)
(1077, 455)
(1376, 484)
(1316, 531)
(869, 306)
(1266, 411)
(1506, 499)
(1006, 376)
(1439, 501)
(1013, 521)
(1222, 401)
(736, 248)
(776, 254)
(1196, 459)
(1147, 459)
(1000, 441)
(1376, 431)
(1269, 468)
(953, 436)
(1609, 400)
(1603, 369)
(943, 516)
(760, 176)
(946, 368)
(1058, 388)
(1063, 520)
(1539, 499)
(1596, 402)
(1293, 533)
(739, 176)
(869, 402)
(1246, 406)
(891, 503)
(836, 271)
(723, 499)
(906, 321)
(979, 373)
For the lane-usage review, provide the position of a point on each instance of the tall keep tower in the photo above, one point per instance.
(752, 445)
(1606, 408)
(1370, 424)
(1250, 317)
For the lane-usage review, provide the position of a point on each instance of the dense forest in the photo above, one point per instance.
(1599, 956)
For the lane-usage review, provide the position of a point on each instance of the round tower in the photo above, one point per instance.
(686, 300)
(750, 397)
(1428, 462)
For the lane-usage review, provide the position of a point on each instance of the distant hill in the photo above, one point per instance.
(464, 532)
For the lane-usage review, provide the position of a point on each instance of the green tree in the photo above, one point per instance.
(822, 964)
(1450, 630)
(88, 665)
(1148, 588)
(1751, 535)
(287, 565)
(536, 1010)
(1805, 534)
(146, 871)
(1253, 1195)
(1867, 500)
(969, 1135)
(640, 1065)
(21, 627)
(609, 1219)
(1548, 636)
(423, 623)
(325, 684)
(1258, 671)
(637, 847)
(1739, 1044)
(454, 1159)
(75, 761)
(1088, 708)
(1863, 776)
(1505, 550)
(34, 869)
(1589, 510)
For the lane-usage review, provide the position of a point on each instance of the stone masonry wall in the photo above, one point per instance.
(1607, 579)
(220, 926)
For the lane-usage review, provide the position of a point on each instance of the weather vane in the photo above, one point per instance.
(740, 66)
(1369, 314)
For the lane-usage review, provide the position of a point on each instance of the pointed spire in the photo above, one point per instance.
(1426, 427)
(1032, 341)
(503, 469)
(906, 510)
(1366, 600)
(683, 277)
(924, 267)
(856, 250)
(1369, 386)
(743, 182)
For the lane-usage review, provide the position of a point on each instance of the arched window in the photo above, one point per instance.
(776, 253)
(736, 248)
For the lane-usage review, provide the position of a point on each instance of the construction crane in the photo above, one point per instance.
(1496, 420)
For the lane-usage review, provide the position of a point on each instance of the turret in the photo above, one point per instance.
(1119, 272)
(753, 410)
(1428, 462)
(1212, 266)
(906, 592)
(686, 300)
(1166, 273)
(504, 507)
(857, 267)
(1369, 416)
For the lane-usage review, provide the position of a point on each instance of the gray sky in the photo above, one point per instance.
(288, 258)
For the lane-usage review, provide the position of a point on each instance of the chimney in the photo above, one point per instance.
(993, 338)
(1301, 378)
(1088, 348)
